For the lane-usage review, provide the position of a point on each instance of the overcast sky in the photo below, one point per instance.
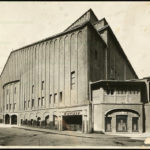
(22, 23)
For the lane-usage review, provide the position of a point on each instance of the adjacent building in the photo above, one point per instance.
(55, 82)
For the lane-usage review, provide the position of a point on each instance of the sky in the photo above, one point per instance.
(23, 23)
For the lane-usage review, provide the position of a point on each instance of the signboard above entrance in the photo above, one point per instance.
(72, 113)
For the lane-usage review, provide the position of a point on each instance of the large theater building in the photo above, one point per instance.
(49, 82)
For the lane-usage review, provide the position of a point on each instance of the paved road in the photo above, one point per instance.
(24, 137)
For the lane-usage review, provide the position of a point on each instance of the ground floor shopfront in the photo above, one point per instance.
(106, 118)
(71, 118)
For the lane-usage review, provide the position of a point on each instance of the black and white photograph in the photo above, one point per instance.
(75, 74)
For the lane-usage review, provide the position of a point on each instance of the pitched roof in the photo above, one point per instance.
(120, 48)
(91, 16)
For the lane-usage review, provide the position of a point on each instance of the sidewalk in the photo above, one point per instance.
(7, 126)
(137, 136)
(67, 133)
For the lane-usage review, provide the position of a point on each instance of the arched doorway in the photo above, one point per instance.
(38, 121)
(7, 119)
(46, 120)
(14, 119)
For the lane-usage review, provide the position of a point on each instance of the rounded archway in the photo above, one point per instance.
(46, 120)
(14, 119)
(7, 119)
(124, 120)
(38, 121)
(32, 118)
(123, 111)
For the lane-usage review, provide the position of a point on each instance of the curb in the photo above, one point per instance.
(51, 132)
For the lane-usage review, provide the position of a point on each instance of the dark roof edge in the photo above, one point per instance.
(118, 81)
(81, 17)
(121, 50)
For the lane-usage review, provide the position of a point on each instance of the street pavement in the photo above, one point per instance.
(25, 136)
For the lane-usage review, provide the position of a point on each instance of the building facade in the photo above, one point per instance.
(119, 106)
(48, 82)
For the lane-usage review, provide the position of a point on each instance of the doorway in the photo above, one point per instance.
(72, 123)
(14, 119)
(121, 123)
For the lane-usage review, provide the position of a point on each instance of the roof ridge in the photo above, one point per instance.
(89, 10)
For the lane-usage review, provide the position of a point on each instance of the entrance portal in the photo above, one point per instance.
(121, 122)
(72, 123)
(14, 119)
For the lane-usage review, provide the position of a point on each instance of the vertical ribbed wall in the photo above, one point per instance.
(51, 61)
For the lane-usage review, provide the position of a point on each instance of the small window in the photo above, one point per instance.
(28, 103)
(32, 89)
(42, 101)
(112, 91)
(55, 98)
(72, 79)
(24, 105)
(42, 86)
(7, 106)
(50, 98)
(60, 96)
(32, 103)
(14, 105)
(10, 106)
(39, 101)
(15, 90)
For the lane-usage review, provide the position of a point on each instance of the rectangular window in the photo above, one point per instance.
(121, 123)
(15, 90)
(55, 98)
(108, 124)
(60, 96)
(32, 89)
(50, 98)
(7, 106)
(42, 101)
(39, 101)
(32, 103)
(42, 86)
(10, 106)
(7, 91)
(72, 79)
(28, 103)
(14, 105)
(135, 124)
(24, 105)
